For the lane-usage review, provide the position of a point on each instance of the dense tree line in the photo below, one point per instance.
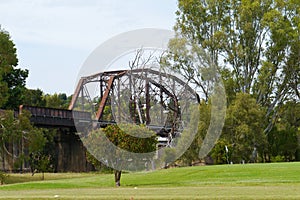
(255, 46)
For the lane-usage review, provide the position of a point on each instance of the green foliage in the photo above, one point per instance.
(243, 131)
(118, 147)
(43, 164)
(119, 135)
(125, 137)
(57, 100)
(254, 44)
(219, 154)
(8, 127)
(284, 137)
(99, 166)
(12, 79)
(192, 153)
(3, 177)
(39, 145)
(34, 98)
(231, 86)
(243, 134)
(36, 141)
(244, 127)
(283, 143)
(278, 159)
(20, 133)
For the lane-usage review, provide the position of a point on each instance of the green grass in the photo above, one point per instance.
(250, 181)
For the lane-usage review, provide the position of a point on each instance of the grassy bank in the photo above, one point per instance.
(251, 181)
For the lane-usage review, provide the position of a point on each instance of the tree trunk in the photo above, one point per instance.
(117, 177)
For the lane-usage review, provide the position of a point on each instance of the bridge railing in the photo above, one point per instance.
(47, 112)
(54, 116)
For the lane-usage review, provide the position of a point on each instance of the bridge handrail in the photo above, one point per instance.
(55, 112)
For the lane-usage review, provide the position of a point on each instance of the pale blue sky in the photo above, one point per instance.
(54, 37)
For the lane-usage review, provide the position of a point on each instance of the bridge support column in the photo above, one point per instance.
(70, 153)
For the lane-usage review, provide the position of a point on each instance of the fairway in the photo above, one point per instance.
(250, 181)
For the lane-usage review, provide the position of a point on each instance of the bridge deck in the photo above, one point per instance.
(55, 117)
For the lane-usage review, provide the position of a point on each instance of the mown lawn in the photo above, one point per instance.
(250, 181)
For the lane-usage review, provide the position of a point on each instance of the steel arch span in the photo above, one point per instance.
(158, 99)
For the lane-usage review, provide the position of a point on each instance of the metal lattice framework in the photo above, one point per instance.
(142, 96)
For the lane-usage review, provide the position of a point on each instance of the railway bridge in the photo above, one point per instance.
(141, 96)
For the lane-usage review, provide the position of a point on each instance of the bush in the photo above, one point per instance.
(278, 158)
(219, 154)
(3, 177)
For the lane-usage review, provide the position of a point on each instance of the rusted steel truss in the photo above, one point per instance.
(136, 96)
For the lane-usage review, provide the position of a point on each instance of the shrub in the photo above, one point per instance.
(3, 177)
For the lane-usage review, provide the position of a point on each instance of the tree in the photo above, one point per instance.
(283, 139)
(191, 154)
(34, 97)
(18, 133)
(221, 152)
(244, 128)
(12, 79)
(36, 142)
(57, 100)
(130, 147)
(255, 42)
(8, 134)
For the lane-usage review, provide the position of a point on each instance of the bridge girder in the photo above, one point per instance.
(146, 85)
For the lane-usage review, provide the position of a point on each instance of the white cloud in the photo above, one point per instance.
(53, 25)
(80, 23)
(75, 27)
